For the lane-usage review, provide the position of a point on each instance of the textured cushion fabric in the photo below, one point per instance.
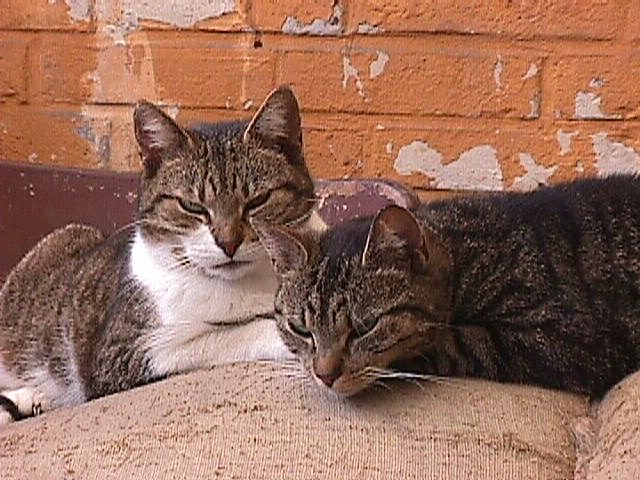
(251, 421)
(608, 441)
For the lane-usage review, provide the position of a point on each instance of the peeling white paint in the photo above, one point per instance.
(119, 30)
(389, 147)
(579, 167)
(376, 68)
(614, 157)
(320, 27)
(588, 107)
(597, 82)
(535, 102)
(349, 71)
(532, 72)
(564, 140)
(79, 10)
(365, 28)
(248, 104)
(477, 168)
(180, 13)
(535, 175)
(497, 72)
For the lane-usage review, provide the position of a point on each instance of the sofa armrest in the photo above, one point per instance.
(257, 421)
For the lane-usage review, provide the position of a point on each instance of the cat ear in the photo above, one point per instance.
(285, 248)
(277, 124)
(395, 227)
(158, 136)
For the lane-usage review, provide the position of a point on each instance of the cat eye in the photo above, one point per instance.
(299, 329)
(363, 328)
(258, 201)
(192, 207)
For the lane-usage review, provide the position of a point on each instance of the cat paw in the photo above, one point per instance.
(28, 400)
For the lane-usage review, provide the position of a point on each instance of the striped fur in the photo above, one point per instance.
(540, 288)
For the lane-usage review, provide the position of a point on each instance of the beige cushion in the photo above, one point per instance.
(608, 441)
(254, 422)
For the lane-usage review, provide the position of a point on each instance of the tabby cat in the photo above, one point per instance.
(187, 286)
(540, 288)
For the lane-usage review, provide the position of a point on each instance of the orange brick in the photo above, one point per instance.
(45, 15)
(596, 86)
(45, 135)
(61, 68)
(632, 30)
(408, 77)
(334, 146)
(590, 19)
(13, 68)
(203, 70)
(271, 15)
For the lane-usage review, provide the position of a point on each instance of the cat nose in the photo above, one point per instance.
(230, 246)
(327, 368)
(329, 378)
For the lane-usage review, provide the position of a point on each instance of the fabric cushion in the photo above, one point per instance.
(608, 441)
(266, 422)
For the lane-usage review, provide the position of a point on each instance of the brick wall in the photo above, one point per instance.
(490, 94)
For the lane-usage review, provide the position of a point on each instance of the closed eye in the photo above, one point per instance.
(299, 329)
(257, 201)
(193, 207)
(362, 329)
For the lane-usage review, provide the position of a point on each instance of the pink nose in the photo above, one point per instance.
(230, 247)
(328, 378)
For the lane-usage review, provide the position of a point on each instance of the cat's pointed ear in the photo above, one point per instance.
(395, 227)
(158, 136)
(277, 125)
(286, 250)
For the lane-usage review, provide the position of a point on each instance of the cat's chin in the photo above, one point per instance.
(342, 388)
(234, 270)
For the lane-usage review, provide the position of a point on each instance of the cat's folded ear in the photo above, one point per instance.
(158, 136)
(277, 125)
(286, 249)
(395, 229)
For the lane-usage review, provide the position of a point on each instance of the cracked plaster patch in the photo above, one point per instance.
(564, 140)
(376, 68)
(535, 175)
(320, 27)
(349, 71)
(365, 28)
(614, 157)
(498, 69)
(79, 10)
(588, 106)
(532, 72)
(476, 169)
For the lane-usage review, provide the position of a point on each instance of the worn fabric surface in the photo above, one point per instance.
(252, 421)
(608, 441)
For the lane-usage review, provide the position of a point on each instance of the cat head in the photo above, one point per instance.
(200, 186)
(360, 299)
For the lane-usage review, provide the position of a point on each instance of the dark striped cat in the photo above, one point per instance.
(540, 288)
(188, 287)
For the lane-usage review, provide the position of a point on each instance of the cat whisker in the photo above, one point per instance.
(382, 385)
(409, 376)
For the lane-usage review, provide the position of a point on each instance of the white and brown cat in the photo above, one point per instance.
(187, 286)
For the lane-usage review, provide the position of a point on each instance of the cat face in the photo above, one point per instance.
(362, 299)
(201, 186)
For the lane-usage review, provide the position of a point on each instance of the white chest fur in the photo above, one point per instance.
(190, 304)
